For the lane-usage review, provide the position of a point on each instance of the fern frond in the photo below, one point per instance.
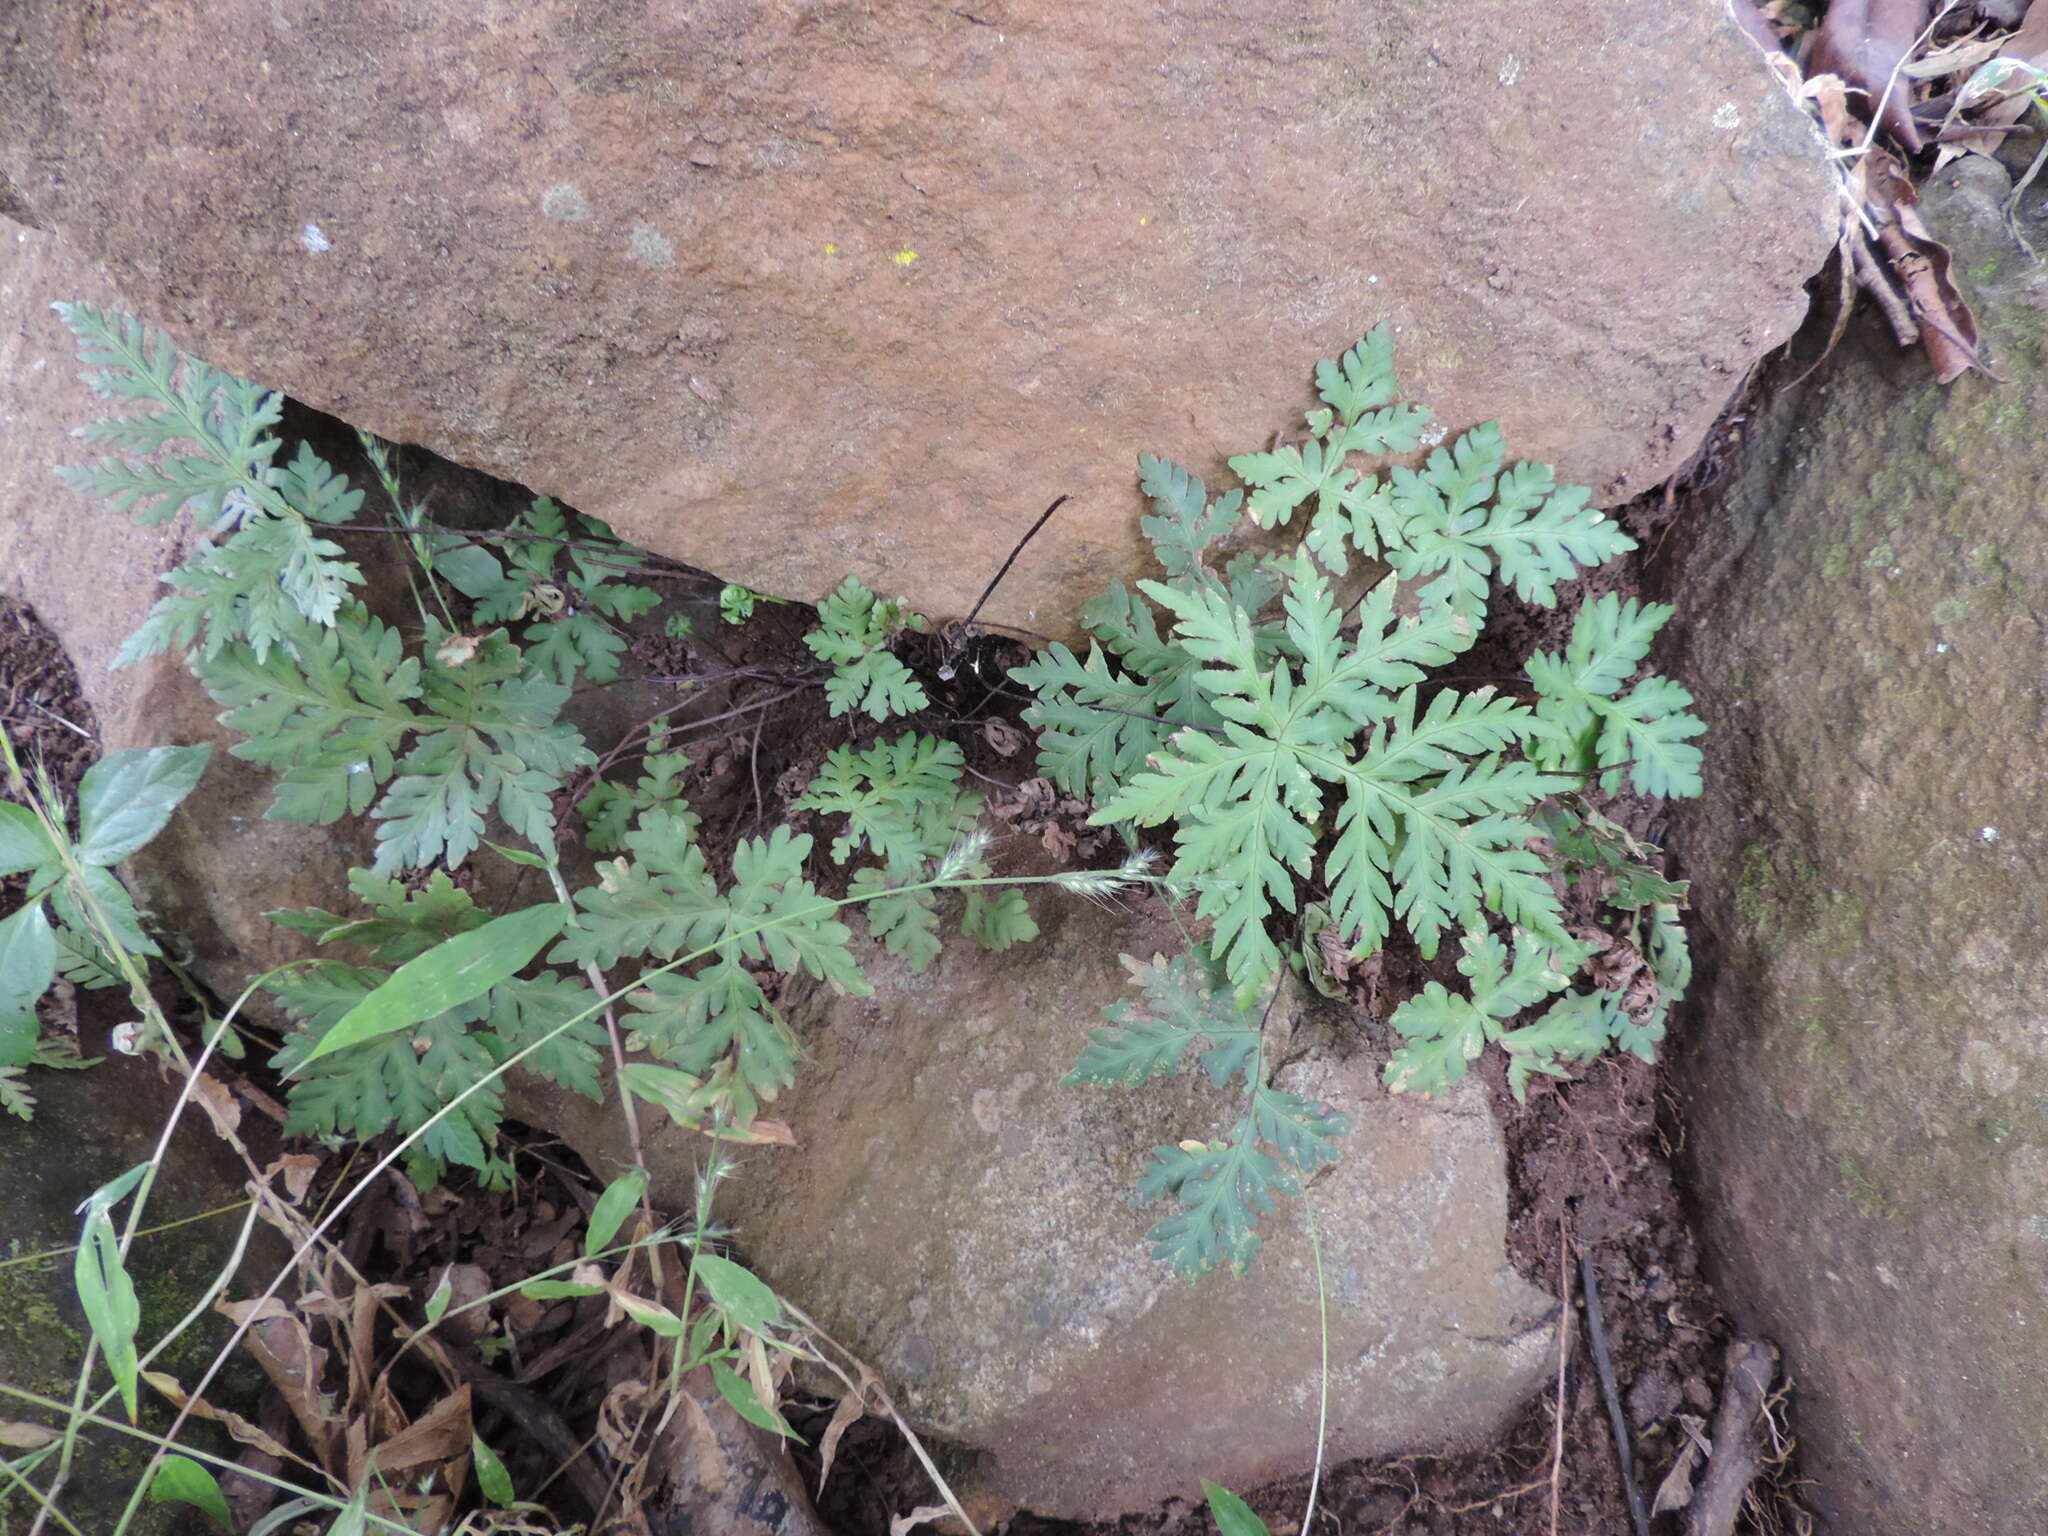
(226, 418)
(15, 1095)
(488, 740)
(396, 1083)
(405, 923)
(1350, 508)
(526, 1011)
(1096, 727)
(1648, 732)
(1446, 1032)
(885, 793)
(998, 920)
(1532, 534)
(663, 902)
(1429, 801)
(261, 573)
(1221, 1188)
(1183, 523)
(1184, 1006)
(1645, 732)
(609, 809)
(854, 630)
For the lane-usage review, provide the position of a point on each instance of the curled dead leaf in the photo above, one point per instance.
(240, 1428)
(220, 1104)
(1004, 737)
(296, 1169)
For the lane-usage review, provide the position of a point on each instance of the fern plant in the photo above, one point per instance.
(571, 613)
(903, 803)
(456, 735)
(431, 744)
(1308, 752)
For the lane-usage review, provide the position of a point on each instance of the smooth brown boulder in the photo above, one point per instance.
(970, 1227)
(789, 291)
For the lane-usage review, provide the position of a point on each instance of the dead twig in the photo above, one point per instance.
(1751, 1364)
(1603, 1363)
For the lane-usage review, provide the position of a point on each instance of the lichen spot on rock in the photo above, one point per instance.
(648, 247)
(565, 204)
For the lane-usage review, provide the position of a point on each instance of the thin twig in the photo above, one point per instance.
(952, 652)
(1315, 1247)
(1564, 1335)
(1603, 1362)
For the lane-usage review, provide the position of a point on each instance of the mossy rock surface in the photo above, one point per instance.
(1866, 1076)
(90, 1127)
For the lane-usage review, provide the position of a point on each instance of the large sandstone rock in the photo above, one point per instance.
(1867, 1092)
(967, 1225)
(91, 575)
(787, 291)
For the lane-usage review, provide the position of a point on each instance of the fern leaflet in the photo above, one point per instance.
(1591, 726)
(1463, 520)
(1429, 801)
(853, 634)
(1221, 1188)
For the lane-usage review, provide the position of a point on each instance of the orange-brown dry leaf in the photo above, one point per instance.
(220, 1104)
(851, 1410)
(297, 1170)
(238, 1427)
(1924, 266)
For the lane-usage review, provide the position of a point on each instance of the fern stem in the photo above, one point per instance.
(611, 1028)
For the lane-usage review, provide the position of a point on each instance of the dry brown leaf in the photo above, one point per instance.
(220, 1104)
(1924, 266)
(18, 1436)
(297, 1170)
(1003, 736)
(237, 1426)
(438, 1437)
(1675, 1491)
(1913, 284)
(851, 1410)
(618, 1420)
(1954, 58)
(294, 1364)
